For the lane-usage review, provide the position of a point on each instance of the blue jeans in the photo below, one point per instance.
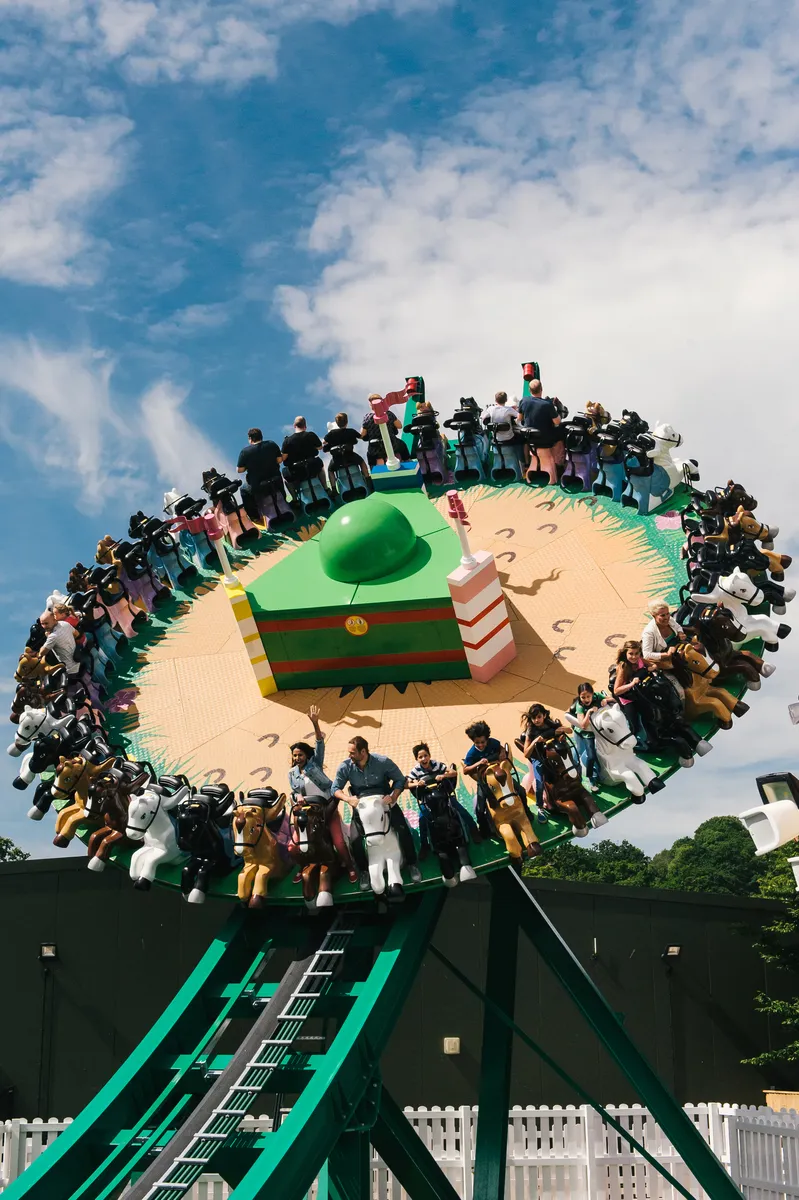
(586, 748)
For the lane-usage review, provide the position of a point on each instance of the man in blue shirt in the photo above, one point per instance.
(365, 772)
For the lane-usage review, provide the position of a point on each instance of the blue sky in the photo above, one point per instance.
(214, 214)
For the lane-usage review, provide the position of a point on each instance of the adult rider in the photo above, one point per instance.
(306, 778)
(261, 460)
(366, 772)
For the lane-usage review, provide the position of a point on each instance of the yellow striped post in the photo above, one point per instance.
(251, 638)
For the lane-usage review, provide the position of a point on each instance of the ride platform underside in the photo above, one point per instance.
(295, 1013)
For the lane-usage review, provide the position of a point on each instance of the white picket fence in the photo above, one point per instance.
(553, 1153)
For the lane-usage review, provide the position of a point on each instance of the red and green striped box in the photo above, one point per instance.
(318, 632)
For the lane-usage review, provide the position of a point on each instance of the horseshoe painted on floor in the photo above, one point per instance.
(589, 500)
(558, 625)
(271, 738)
(552, 528)
(218, 772)
(561, 651)
(613, 639)
(510, 532)
(547, 504)
(509, 554)
(263, 772)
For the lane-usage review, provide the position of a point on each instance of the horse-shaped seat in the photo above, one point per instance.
(311, 848)
(256, 842)
(502, 793)
(199, 819)
(447, 837)
(564, 792)
(616, 751)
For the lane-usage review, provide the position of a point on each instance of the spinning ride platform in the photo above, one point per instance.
(577, 573)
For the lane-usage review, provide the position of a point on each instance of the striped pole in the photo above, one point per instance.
(240, 603)
(479, 604)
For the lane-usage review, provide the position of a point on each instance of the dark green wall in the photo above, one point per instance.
(122, 954)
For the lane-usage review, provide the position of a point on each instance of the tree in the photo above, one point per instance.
(11, 853)
(778, 945)
(720, 857)
(619, 863)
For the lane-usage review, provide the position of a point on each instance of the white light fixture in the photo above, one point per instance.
(794, 862)
(780, 785)
(48, 950)
(671, 953)
(452, 1045)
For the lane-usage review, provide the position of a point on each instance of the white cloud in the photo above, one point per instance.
(196, 318)
(227, 42)
(58, 410)
(181, 451)
(636, 230)
(54, 172)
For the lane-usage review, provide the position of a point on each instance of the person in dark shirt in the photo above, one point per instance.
(370, 432)
(302, 447)
(538, 726)
(261, 460)
(539, 412)
(346, 438)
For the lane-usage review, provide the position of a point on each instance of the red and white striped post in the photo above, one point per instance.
(479, 604)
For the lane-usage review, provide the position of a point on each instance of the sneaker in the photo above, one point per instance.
(415, 874)
(589, 786)
(363, 881)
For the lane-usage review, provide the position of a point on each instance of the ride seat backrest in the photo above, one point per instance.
(215, 791)
(172, 783)
(188, 507)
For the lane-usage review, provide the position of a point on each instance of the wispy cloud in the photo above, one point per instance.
(54, 172)
(58, 410)
(193, 320)
(181, 451)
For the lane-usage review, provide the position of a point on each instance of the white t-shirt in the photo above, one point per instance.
(498, 414)
(62, 642)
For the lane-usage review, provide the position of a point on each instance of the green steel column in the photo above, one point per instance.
(406, 1156)
(349, 1167)
(491, 1145)
(516, 899)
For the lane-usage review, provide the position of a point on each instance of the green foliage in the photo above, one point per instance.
(11, 853)
(720, 857)
(619, 863)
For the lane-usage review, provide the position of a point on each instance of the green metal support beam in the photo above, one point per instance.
(519, 903)
(406, 1156)
(491, 1145)
(349, 1168)
(79, 1153)
(298, 1150)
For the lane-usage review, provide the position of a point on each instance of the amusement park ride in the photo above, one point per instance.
(477, 575)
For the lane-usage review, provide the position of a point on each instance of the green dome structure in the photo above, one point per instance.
(366, 541)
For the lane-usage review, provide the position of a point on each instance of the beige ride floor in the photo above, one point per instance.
(577, 579)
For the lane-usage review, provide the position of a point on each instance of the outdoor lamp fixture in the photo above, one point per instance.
(452, 1045)
(48, 951)
(671, 954)
(780, 786)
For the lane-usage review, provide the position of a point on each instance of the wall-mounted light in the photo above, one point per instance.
(452, 1045)
(48, 950)
(671, 954)
(776, 822)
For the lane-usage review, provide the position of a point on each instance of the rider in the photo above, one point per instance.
(366, 772)
(484, 749)
(261, 460)
(586, 701)
(342, 435)
(540, 412)
(306, 778)
(502, 413)
(302, 446)
(538, 726)
(424, 768)
(370, 432)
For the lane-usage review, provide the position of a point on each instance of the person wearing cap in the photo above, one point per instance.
(307, 778)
